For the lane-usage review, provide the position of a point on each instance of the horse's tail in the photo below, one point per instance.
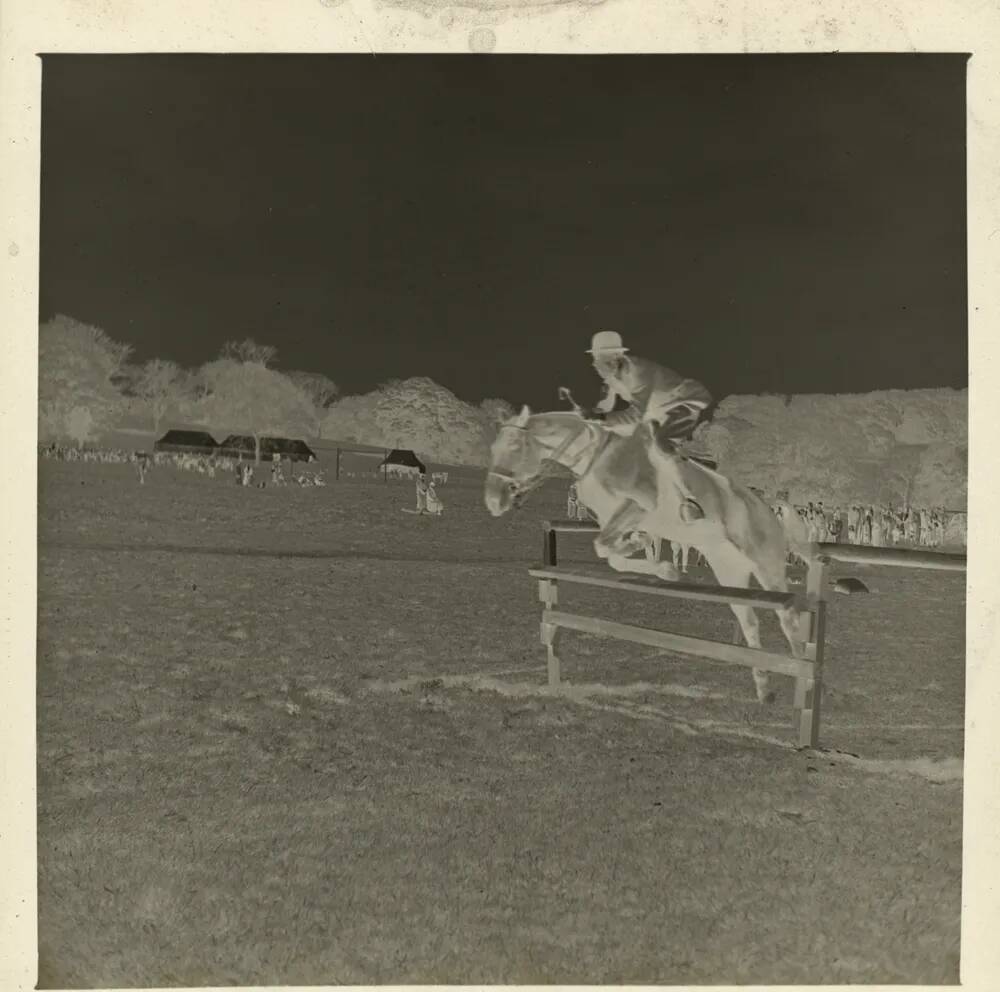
(796, 533)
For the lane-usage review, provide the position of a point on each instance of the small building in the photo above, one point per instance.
(244, 446)
(402, 461)
(188, 443)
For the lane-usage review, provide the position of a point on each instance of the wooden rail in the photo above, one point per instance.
(733, 654)
(858, 554)
(862, 554)
(760, 598)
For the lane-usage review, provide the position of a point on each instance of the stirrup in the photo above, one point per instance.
(691, 511)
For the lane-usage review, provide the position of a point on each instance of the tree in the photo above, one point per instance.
(352, 418)
(162, 385)
(894, 446)
(78, 365)
(243, 394)
(321, 392)
(249, 352)
(419, 414)
(942, 477)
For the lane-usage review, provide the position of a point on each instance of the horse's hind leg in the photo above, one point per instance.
(732, 569)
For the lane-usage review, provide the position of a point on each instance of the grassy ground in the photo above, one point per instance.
(298, 736)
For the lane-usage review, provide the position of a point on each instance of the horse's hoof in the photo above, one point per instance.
(667, 573)
(601, 550)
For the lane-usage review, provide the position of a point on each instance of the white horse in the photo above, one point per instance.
(630, 485)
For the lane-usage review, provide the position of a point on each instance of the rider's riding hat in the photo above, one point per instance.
(606, 342)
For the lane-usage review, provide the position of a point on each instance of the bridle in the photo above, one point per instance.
(522, 487)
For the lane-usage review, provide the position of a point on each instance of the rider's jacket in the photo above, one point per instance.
(651, 390)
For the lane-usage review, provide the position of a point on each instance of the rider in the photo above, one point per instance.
(655, 394)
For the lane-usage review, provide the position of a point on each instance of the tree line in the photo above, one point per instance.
(87, 381)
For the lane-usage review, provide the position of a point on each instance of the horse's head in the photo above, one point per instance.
(515, 463)
(527, 449)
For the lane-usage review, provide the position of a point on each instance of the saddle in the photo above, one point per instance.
(683, 448)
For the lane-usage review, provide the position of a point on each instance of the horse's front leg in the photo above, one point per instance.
(616, 534)
(618, 550)
(661, 569)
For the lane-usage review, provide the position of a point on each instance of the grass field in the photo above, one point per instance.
(296, 736)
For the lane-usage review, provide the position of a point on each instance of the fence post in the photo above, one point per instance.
(548, 593)
(549, 559)
(809, 692)
(336, 471)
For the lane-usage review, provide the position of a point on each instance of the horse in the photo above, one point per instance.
(628, 483)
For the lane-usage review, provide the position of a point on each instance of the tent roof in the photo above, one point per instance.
(403, 456)
(193, 438)
(268, 445)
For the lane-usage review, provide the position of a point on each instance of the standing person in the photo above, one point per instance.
(277, 474)
(422, 493)
(812, 528)
(835, 527)
(852, 524)
(866, 529)
(823, 521)
(434, 505)
(878, 524)
(655, 395)
(572, 502)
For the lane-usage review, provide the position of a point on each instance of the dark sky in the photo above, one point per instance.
(764, 223)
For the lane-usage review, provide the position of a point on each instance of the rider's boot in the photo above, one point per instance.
(690, 509)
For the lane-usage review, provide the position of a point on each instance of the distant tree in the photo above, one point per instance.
(420, 414)
(126, 379)
(496, 412)
(320, 390)
(352, 418)
(942, 478)
(162, 385)
(78, 365)
(238, 392)
(249, 352)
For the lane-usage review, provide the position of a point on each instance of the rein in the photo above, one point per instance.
(522, 487)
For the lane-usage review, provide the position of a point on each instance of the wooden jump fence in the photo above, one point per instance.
(807, 671)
